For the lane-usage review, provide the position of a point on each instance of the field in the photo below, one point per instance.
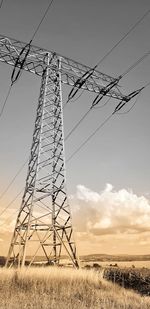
(50, 287)
(123, 264)
(139, 261)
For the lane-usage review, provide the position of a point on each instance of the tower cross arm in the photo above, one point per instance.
(70, 70)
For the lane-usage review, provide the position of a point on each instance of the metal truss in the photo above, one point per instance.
(70, 70)
(43, 226)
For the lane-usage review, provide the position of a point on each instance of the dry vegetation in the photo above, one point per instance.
(49, 288)
(131, 278)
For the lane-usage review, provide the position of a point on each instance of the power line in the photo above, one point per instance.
(89, 137)
(13, 179)
(104, 91)
(72, 101)
(13, 80)
(10, 217)
(146, 85)
(78, 123)
(76, 99)
(97, 107)
(126, 112)
(86, 141)
(98, 98)
(36, 30)
(84, 116)
(6, 99)
(19, 64)
(81, 93)
(14, 199)
(125, 36)
(26, 162)
(73, 154)
(126, 72)
(81, 81)
(136, 63)
(118, 107)
(139, 60)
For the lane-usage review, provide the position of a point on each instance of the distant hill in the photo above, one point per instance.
(111, 258)
(96, 258)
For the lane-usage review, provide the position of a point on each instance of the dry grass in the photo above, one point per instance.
(131, 278)
(53, 288)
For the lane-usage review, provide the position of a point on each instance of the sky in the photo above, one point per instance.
(108, 180)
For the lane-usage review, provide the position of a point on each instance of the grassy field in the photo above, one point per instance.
(49, 288)
(123, 264)
(139, 261)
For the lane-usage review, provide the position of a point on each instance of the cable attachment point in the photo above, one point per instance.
(105, 90)
(80, 82)
(20, 62)
(127, 99)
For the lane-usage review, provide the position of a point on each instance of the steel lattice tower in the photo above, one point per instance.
(43, 225)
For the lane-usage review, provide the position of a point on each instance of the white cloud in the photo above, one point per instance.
(110, 211)
(86, 194)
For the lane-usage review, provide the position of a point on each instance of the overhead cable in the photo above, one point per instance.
(89, 137)
(101, 106)
(136, 63)
(125, 100)
(82, 80)
(105, 90)
(126, 112)
(118, 107)
(14, 199)
(20, 61)
(13, 179)
(26, 49)
(130, 96)
(9, 218)
(36, 30)
(83, 117)
(78, 123)
(4, 104)
(98, 97)
(125, 36)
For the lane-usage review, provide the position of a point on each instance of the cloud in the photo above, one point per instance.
(102, 220)
(110, 212)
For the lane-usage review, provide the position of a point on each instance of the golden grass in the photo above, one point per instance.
(53, 288)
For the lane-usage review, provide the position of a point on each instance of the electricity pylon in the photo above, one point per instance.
(43, 226)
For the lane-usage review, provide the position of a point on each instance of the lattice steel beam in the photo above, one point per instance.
(44, 217)
(70, 70)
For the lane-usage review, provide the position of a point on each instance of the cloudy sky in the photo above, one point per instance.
(108, 180)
